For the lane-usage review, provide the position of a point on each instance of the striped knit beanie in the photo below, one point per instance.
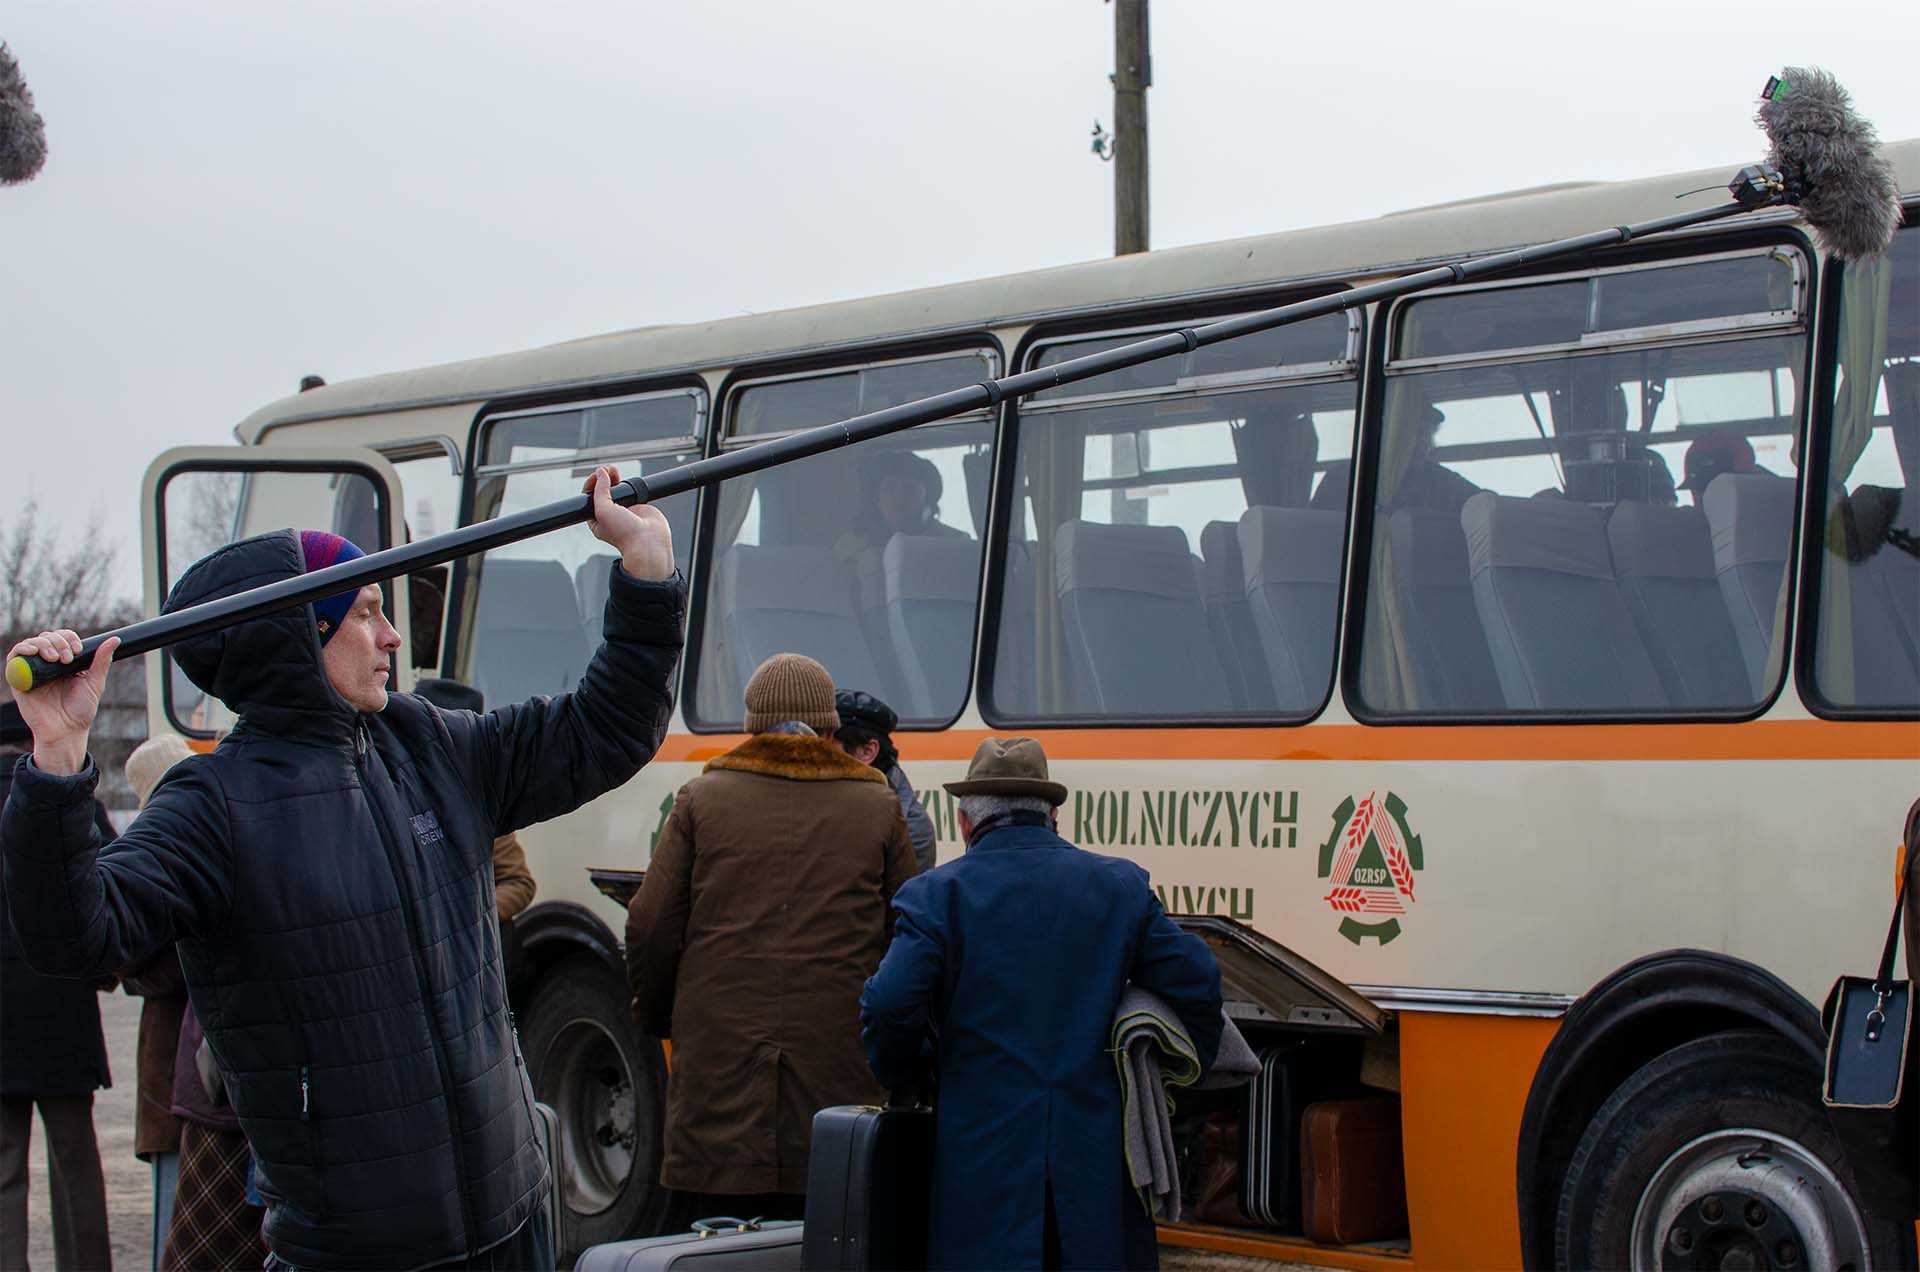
(318, 550)
(791, 687)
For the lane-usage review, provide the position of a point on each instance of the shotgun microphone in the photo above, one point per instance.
(1829, 162)
(1821, 159)
(23, 134)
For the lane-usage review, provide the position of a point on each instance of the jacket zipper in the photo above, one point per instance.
(360, 745)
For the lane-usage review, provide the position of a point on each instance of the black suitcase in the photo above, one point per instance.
(1270, 1140)
(869, 1189)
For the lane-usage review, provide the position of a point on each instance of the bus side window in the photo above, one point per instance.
(1592, 521)
(866, 559)
(532, 611)
(1178, 536)
(1866, 653)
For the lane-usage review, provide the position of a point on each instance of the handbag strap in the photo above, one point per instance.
(1885, 975)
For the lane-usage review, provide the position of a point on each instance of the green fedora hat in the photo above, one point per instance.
(1009, 766)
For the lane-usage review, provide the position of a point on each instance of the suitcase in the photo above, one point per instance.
(869, 1188)
(714, 1245)
(1270, 1140)
(1353, 1180)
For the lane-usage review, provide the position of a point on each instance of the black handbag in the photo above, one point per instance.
(1869, 1023)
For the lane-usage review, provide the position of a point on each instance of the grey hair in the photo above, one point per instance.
(797, 728)
(980, 807)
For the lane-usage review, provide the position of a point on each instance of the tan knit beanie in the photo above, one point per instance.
(151, 760)
(791, 687)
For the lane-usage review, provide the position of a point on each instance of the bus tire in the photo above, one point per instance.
(606, 1082)
(1719, 1149)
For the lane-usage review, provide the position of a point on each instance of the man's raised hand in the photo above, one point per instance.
(640, 534)
(60, 714)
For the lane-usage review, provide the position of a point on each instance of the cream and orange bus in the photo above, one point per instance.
(1489, 674)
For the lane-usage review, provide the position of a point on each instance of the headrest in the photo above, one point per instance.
(1151, 560)
(1291, 545)
(807, 580)
(1751, 515)
(919, 568)
(1652, 542)
(1535, 534)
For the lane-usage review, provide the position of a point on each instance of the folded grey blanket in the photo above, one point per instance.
(1154, 1054)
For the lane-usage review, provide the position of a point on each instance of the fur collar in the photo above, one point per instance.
(796, 758)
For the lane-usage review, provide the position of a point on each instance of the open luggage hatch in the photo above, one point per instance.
(1264, 981)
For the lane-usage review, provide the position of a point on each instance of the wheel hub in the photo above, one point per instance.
(585, 1078)
(1746, 1199)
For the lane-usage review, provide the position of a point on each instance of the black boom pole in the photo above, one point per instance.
(1753, 188)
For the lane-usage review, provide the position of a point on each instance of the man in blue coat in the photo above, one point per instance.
(1012, 960)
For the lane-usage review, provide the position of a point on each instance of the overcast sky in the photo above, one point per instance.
(238, 194)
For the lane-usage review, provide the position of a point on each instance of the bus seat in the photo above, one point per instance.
(591, 579)
(1433, 585)
(527, 636)
(1900, 572)
(1223, 587)
(1663, 559)
(798, 600)
(1014, 656)
(1290, 561)
(1751, 516)
(1556, 624)
(1885, 596)
(931, 585)
(1130, 608)
(976, 468)
(870, 605)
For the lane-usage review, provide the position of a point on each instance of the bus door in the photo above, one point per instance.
(198, 498)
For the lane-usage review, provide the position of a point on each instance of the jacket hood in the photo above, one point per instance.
(266, 670)
(798, 759)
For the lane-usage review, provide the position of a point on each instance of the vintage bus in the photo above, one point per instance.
(1501, 678)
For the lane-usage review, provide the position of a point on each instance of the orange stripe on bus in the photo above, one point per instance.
(1757, 740)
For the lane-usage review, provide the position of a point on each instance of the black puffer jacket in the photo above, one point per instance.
(50, 1039)
(328, 876)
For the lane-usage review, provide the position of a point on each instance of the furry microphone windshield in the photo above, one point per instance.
(1829, 160)
(23, 137)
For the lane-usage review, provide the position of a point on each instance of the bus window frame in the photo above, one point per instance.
(491, 412)
(1809, 281)
(246, 462)
(722, 438)
(1811, 555)
(1360, 328)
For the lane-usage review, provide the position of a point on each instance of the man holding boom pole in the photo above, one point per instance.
(327, 874)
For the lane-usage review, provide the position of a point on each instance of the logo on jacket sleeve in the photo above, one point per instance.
(1369, 862)
(426, 829)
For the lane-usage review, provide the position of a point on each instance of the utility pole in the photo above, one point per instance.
(1132, 74)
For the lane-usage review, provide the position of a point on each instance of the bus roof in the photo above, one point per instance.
(1391, 241)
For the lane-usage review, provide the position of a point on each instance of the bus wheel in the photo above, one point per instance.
(1718, 1155)
(605, 1081)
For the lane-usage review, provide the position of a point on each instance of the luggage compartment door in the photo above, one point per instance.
(1265, 982)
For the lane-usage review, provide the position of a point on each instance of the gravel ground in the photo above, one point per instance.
(129, 1180)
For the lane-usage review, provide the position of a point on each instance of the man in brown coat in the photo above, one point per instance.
(765, 908)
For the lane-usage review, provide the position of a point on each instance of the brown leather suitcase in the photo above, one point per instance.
(1353, 1182)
